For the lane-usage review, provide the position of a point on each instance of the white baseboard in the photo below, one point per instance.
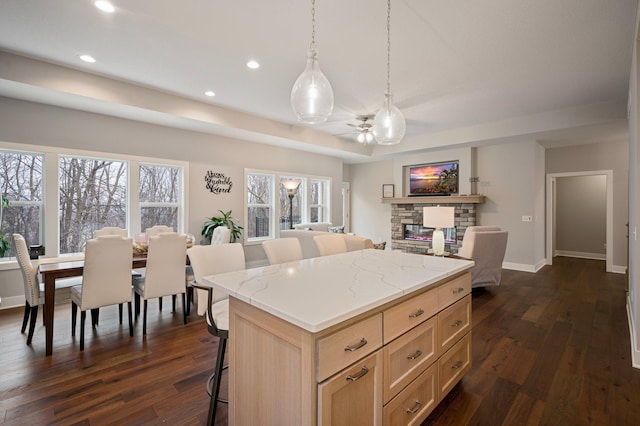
(635, 352)
(617, 269)
(522, 267)
(581, 255)
(12, 302)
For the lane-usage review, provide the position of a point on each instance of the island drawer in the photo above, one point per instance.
(415, 402)
(454, 290)
(346, 346)
(453, 322)
(408, 356)
(454, 364)
(408, 314)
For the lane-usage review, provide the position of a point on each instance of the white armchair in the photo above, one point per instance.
(486, 246)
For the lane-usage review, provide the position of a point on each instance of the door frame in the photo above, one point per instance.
(551, 209)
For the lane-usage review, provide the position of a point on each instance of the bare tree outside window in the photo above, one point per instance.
(259, 188)
(93, 194)
(160, 195)
(21, 183)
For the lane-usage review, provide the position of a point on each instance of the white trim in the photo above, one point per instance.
(12, 302)
(635, 352)
(580, 255)
(522, 267)
(618, 269)
(551, 180)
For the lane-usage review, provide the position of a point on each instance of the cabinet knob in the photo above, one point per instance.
(457, 323)
(416, 314)
(357, 346)
(457, 365)
(417, 353)
(458, 290)
(358, 376)
(415, 408)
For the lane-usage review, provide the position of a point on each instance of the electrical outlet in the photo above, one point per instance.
(527, 218)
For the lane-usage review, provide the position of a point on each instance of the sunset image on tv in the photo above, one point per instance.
(433, 179)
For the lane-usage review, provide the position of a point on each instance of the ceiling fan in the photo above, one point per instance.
(364, 129)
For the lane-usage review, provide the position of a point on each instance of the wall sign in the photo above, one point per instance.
(217, 182)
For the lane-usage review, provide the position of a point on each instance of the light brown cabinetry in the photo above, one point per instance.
(390, 365)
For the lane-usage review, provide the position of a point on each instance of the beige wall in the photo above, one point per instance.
(581, 215)
(598, 157)
(35, 124)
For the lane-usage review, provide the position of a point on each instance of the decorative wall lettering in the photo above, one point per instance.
(217, 182)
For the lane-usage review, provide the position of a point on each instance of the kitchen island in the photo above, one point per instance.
(365, 337)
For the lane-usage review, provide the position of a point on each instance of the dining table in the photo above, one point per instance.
(53, 271)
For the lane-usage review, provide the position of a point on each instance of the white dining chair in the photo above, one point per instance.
(110, 230)
(209, 260)
(33, 289)
(106, 279)
(157, 229)
(165, 272)
(330, 244)
(281, 250)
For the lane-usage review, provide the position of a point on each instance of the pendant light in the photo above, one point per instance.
(389, 125)
(311, 95)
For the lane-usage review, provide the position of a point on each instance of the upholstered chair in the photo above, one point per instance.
(165, 275)
(209, 260)
(281, 250)
(486, 246)
(106, 279)
(221, 235)
(110, 230)
(330, 244)
(158, 229)
(33, 290)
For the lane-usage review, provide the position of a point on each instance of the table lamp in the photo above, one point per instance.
(438, 218)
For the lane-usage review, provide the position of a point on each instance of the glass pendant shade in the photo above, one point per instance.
(312, 95)
(389, 125)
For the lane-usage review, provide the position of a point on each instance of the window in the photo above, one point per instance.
(259, 206)
(160, 195)
(93, 194)
(21, 183)
(268, 208)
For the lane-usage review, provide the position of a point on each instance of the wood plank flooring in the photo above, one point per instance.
(550, 348)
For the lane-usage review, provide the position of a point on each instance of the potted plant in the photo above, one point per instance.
(224, 220)
(4, 244)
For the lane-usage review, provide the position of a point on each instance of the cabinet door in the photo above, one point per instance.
(353, 396)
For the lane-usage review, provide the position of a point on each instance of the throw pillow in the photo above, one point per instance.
(336, 229)
(380, 246)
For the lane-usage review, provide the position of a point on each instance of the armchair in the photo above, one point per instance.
(486, 246)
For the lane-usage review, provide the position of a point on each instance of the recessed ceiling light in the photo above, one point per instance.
(209, 93)
(105, 6)
(253, 65)
(88, 58)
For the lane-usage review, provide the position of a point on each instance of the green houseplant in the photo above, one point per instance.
(224, 219)
(4, 244)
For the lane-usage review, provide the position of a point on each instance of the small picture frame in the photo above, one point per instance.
(388, 190)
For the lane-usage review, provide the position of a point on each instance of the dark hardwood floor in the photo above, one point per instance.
(550, 348)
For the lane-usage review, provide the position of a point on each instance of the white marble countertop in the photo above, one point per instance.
(320, 292)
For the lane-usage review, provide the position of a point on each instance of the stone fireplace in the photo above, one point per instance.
(408, 211)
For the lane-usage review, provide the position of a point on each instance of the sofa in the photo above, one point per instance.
(309, 249)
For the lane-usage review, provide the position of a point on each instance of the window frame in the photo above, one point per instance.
(305, 205)
(49, 226)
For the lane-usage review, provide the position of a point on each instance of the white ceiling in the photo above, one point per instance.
(463, 72)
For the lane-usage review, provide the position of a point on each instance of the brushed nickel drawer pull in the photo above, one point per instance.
(361, 374)
(415, 355)
(457, 365)
(457, 323)
(357, 346)
(458, 290)
(415, 408)
(416, 314)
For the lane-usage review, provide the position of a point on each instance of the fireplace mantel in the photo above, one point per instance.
(450, 199)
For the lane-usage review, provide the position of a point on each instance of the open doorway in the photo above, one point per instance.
(597, 201)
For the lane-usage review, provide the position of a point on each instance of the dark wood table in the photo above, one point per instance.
(53, 271)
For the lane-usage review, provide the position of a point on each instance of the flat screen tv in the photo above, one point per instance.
(433, 179)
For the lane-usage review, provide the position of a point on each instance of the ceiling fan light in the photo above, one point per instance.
(361, 137)
(389, 125)
(312, 95)
(368, 137)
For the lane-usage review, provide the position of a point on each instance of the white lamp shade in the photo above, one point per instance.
(291, 185)
(438, 217)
